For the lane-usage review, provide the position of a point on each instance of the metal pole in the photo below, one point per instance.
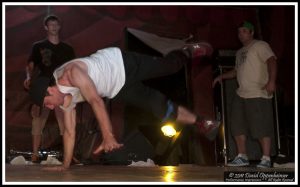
(48, 10)
(277, 122)
(223, 119)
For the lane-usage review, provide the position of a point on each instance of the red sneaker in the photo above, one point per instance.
(199, 49)
(209, 128)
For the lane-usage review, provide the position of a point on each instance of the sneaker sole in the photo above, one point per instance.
(260, 166)
(237, 165)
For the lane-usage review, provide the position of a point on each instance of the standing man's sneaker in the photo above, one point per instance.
(239, 161)
(264, 164)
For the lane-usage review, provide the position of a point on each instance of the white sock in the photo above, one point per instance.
(264, 157)
(243, 156)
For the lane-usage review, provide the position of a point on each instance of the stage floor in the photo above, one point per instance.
(22, 174)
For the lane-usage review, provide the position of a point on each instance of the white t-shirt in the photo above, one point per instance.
(105, 68)
(252, 69)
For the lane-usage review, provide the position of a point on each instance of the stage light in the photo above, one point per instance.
(168, 130)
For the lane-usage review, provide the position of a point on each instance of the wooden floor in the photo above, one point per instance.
(98, 174)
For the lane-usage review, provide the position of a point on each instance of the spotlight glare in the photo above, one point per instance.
(168, 130)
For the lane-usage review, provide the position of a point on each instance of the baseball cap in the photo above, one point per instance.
(247, 25)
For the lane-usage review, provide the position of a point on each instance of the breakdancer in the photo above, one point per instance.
(118, 75)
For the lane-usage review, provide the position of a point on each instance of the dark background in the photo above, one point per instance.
(89, 28)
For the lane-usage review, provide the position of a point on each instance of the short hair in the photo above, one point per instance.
(50, 18)
(247, 25)
(38, 90)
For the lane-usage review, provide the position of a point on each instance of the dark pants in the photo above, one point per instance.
(139, 67)
(252, 116)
